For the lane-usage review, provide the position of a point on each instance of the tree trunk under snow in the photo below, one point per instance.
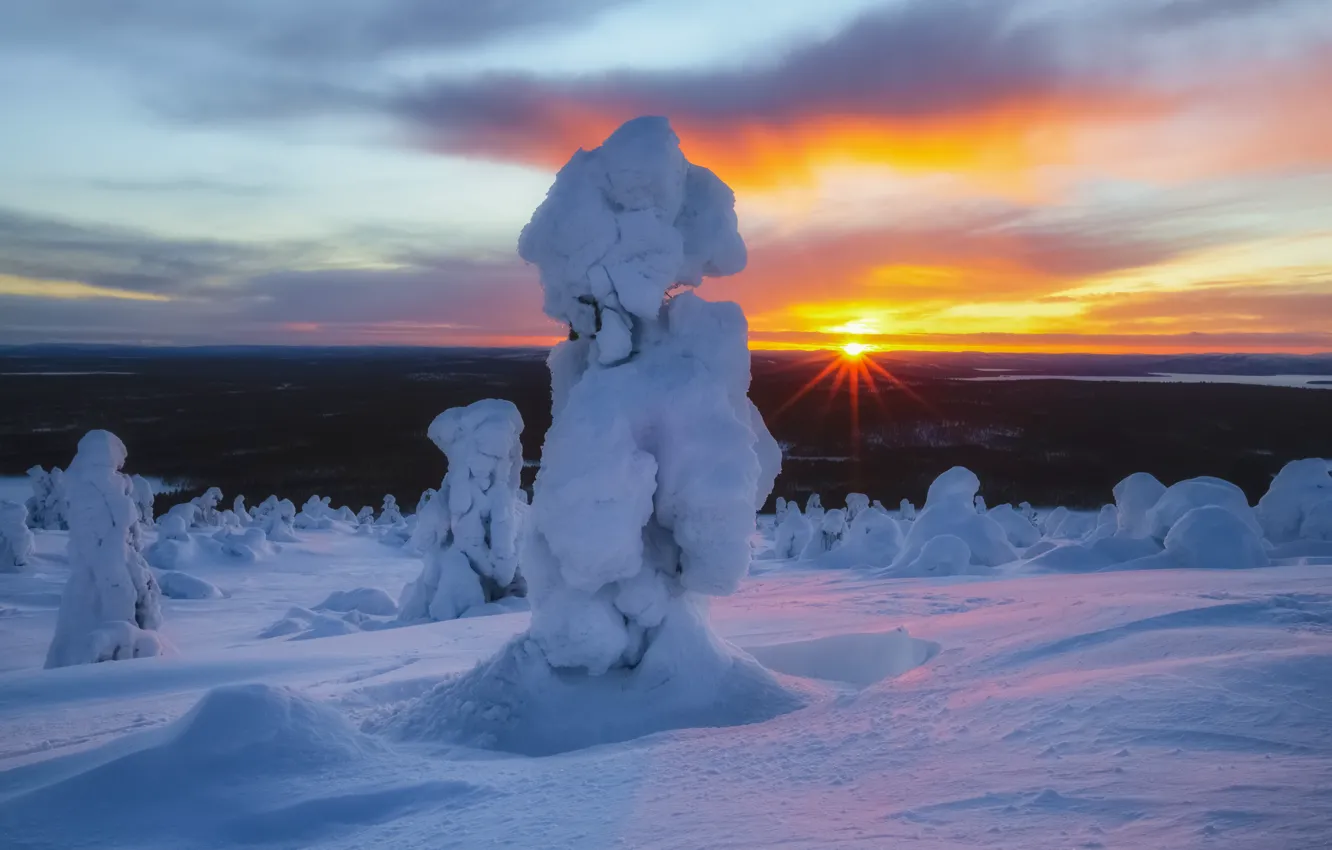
(110, 608)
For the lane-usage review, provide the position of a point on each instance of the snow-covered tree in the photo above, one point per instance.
(1135, 495)
(950, 509)
(855, 504)
(779, 509)
(1298, 491)
(46, 506)
(468, 529)
(275, 517)
(814, 508)
(828, 535)
(366, 515)
(16, 541)
(656, 460)
(906, 510)
(142, 493)
(239, 509)
(1027, 511)
(207, 504)
(110, 608)
(792, 534)
(390, 514)
(979, 503)
(315, 513)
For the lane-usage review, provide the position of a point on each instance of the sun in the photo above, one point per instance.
(855, 349)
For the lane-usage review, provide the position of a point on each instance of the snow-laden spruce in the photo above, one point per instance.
(651, 472)
(142, 492)
(46, 506)
(468, 531)
(110, 608)
(16, 540)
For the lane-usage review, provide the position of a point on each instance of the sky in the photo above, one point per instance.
(1013, 175)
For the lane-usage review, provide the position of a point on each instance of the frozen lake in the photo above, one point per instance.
(1317, 382)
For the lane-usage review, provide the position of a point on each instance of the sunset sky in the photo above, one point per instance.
(1061, 175)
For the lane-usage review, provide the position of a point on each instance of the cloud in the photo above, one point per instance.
(291, 32)
(111, 258)
(62, 281)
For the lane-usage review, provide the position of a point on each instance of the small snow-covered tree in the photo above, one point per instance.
(390, 514)
(1297, 492)
(828, 535)
(779, 509)
(792, 534)
(1135, 495)
(979, 503)
(110, 607)
(814, 508)
(1028, 512)
(16, 541)
(315, 514)
(143, 499)
(275, 517)
(906, 510)
(46, 506)
(468, 530)
(207, 504)
(855, 504)
(366, 515)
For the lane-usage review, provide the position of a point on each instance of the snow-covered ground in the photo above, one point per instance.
(1139, 708)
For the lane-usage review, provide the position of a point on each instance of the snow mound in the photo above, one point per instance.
(856, 659)
(257, 727)
(304, 624)
(1212, 537)
(945, 555)
(178, 585)
(367, 600)
(1184, 496)
(516, 702)
(1296, 491)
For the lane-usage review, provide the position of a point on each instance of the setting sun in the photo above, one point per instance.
(855, 349)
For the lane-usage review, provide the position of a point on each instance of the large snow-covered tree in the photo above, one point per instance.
(651, 473)
(110, 608)
(656, 460)
(468, 530)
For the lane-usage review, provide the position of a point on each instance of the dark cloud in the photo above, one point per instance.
(286, 31)
(47, 249)
(218, 291)
(919, 59)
